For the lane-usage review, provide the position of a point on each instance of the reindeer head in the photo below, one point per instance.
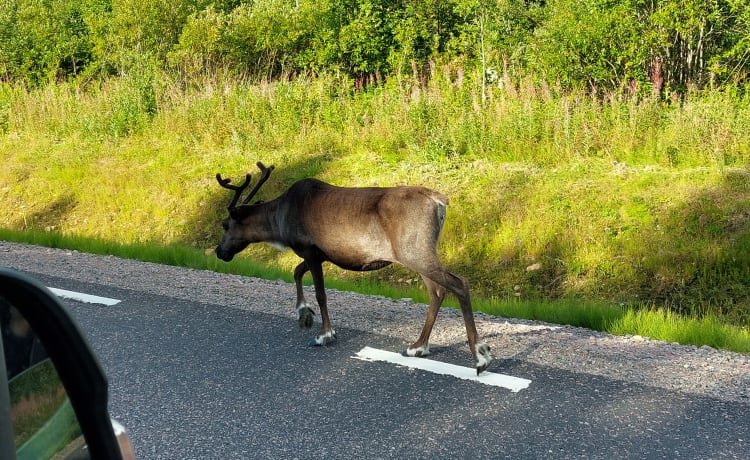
(237, 233)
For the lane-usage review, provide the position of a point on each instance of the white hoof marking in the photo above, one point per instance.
(484, 358)
(421, 352)
(328, 337)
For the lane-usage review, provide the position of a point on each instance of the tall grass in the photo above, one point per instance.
(552, 194)
(666, 325)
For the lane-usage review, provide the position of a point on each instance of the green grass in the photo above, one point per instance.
(554, 196)
(669, 326)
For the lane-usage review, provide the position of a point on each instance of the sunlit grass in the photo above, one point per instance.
(666, 325)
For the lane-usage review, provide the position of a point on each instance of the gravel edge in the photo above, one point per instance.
(701, 371)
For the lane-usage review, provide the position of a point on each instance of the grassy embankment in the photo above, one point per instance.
(626, 216)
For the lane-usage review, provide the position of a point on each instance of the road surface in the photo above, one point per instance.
(193, 378)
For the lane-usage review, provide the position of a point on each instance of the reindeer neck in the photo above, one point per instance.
(260, 223)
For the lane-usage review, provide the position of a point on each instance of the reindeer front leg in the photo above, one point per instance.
(304, 312)
(328, 335)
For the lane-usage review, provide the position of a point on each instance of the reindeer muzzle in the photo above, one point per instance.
(223, 255)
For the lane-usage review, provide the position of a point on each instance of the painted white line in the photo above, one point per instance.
(81, 297)
(514, 384)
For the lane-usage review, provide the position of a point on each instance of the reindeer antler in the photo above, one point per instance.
(238, 189)
(265, 172)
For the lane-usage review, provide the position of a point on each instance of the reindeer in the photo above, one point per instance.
(357, 229)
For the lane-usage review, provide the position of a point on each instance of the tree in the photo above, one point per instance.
(42, 40)
(598, 44)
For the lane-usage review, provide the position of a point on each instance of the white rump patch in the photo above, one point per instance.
(278, 246)
(439, 201)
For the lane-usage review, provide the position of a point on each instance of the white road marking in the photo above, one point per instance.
(81, 297)
(514, 384)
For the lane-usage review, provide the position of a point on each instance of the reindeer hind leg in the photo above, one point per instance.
(459, 287)
(436, 292)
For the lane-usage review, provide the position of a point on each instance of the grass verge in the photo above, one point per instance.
(615, 319)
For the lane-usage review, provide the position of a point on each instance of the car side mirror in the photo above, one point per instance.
(44, 356)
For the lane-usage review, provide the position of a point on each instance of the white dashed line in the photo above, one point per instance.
(81, 297)
(514, 384)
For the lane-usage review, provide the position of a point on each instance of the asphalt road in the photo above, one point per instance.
(194, 380)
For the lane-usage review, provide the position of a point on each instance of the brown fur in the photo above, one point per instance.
(357, 229)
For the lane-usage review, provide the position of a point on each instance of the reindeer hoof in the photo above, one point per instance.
(323, 339)
(484, 358)
(305, 317)
(419, 352)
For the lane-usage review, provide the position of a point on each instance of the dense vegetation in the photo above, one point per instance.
(600, 45)
(591, 149)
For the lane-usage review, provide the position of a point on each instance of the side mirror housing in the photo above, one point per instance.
(76, 364)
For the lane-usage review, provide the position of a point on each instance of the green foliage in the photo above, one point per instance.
(42, 40)
(364, 40)
(421, 31)
(137, 27)
(596, 43)
(201, 44)
(610, 46)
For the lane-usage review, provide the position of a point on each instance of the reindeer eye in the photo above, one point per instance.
(225, 224)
